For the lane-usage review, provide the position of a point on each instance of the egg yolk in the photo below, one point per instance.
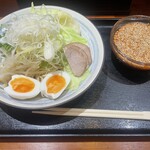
(22, 85)
(55, 84)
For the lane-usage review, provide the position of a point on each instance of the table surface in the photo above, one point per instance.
(77, 143)
(96, 143)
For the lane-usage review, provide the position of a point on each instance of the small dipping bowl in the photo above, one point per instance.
(132, 50)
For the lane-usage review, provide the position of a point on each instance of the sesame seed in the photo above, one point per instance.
(133, 39)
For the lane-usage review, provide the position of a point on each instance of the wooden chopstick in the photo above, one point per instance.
(139, 115)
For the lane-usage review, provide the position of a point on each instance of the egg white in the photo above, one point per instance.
(64, 74)
(9, 90)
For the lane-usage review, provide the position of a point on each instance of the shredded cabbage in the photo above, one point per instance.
(34, 43)
(75, 81)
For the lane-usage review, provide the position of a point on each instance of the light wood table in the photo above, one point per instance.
(109, 143)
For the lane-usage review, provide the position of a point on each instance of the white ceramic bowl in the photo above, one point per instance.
(88, 31)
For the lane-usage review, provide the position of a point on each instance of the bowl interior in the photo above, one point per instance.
(123, 56)
(88, 31)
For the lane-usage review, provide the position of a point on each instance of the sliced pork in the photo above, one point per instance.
(86, 49)
(77, 58)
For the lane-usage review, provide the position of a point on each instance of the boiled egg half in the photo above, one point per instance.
(54, 84)
(22, 87)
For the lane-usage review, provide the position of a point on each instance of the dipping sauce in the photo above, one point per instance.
(133, 40)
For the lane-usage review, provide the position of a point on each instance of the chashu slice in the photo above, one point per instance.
(76, 58)
(86, 49)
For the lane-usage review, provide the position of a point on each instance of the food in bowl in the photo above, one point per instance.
(22, 87)
(133, 39)
(79, 57)
(53, 85)
(88, 33)
(33, 45)
(130, 40)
